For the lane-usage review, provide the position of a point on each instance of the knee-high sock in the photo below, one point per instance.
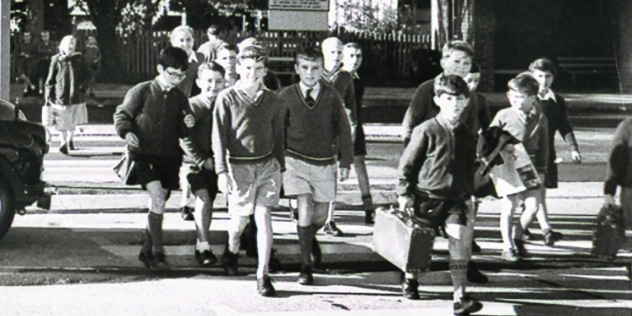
(305, 239)
(458, 272)
(264, 242)
(155, 230)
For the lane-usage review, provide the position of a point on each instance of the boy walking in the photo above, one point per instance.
(248, 145)
(153, 116)
(342, 81)
(457, 60)
(525, 121)
(317, 128)
(436, 178)
(554, 108)
(201, 176)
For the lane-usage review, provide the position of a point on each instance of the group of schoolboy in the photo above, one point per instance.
(244, 140)
(437, 168)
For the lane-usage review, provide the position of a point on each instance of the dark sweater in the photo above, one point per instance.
(557, 116)
(342, 81)
(438, 161)
(156, 117)
(422, 108)
(620, 162)
(314, 134)
(198, 145)
(246, 130)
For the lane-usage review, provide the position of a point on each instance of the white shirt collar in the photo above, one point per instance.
(239, 88)
(549, 95)
(315, 89)
(193, 57)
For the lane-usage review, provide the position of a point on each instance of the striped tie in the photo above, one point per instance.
(308, 97)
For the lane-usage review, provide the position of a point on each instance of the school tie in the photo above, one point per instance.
(308, 97)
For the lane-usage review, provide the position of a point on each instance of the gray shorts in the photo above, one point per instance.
(304, 178)
(254, 184)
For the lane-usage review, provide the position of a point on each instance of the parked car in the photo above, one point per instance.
(23, 145)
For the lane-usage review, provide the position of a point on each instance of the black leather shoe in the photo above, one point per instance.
(230, 262)
(205, 258)
(145, 258)
(409, 289)
(264, 287)
(71, 145)
(551, 237)
(332, 229)
(159, 261)
(466, 306)
(63, 149)
(306, 277)
(474, 275)
(187, 213)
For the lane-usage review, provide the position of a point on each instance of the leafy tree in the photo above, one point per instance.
(366, 15)
(117, 16)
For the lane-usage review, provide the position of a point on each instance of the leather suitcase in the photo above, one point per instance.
(608, 233)
(403, 241)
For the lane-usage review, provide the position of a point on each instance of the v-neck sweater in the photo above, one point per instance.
(342, 81)
(246, 130)
(318, 134)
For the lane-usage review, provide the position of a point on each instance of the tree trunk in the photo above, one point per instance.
(35, 18)
(105, 15)
(111, 63)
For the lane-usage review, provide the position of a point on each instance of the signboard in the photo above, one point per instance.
(298, 5)
(298, 20)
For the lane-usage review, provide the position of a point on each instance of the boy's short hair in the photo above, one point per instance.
(210, 65)
(331, 39)
(462, 46)
(543, 64)
(253, 52)
(213, 29)
(309, 53)
(475, 69)
(227, 46)
(352, 45)
(173, 57)
(249, 41)
(451, 84)
(524, 83)
(182, 28)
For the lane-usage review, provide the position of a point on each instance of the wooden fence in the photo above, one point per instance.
(384, 55)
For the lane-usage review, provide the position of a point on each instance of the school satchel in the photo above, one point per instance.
(48, 117)
(125, 169)
(402, 240)
(608, 233)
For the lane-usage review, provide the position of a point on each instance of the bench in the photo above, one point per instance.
(575, 66)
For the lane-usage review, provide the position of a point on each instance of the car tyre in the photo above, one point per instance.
(7, 208)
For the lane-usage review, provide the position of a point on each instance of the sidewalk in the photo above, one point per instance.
(110, 94)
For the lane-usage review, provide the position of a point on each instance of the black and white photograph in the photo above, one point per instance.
(315, 157)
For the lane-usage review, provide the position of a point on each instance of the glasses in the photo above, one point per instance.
(175, 75)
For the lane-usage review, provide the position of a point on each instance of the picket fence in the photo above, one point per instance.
(388, 54)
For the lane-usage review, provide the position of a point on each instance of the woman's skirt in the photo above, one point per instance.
(67, 117)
